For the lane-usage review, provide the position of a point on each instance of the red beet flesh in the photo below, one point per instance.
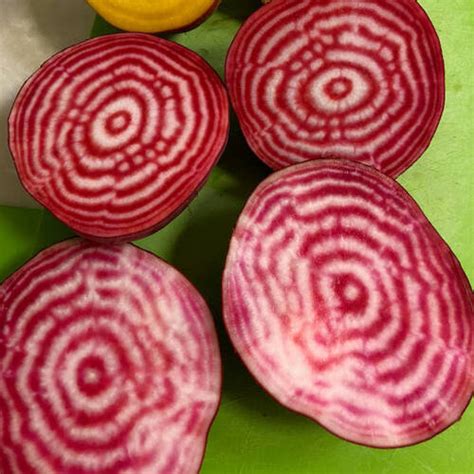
(109, 364)
(322, 79)
(348, 307)
(116, 134)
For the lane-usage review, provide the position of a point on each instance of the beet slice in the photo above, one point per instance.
(348, 307)
(323, 79)
(116, 135)
(109, 363)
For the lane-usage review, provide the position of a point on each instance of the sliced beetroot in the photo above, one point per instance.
(115, 135)
(322, 79)
(348, 307)
(109, 364)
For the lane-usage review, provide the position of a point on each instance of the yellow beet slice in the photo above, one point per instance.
(154, 16)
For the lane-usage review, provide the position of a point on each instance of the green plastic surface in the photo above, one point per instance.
(252, 434)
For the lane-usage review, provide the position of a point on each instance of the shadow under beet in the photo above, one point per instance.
(201, 247)
(240, 10)
(239, 160)
(199, 252)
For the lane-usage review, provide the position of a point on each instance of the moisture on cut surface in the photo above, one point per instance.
(324, 79)
(115, 135)
(109, 363)
(348, 307)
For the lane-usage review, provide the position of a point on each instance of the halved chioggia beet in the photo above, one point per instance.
(109, 363)
(337, 78)
(154, 16)
(348, 307)
(116, 135)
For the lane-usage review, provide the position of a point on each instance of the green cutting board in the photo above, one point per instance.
(252, 434)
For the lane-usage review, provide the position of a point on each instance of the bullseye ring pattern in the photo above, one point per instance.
(348, 307)
(109, 364)
(338, 79)
(116, 134)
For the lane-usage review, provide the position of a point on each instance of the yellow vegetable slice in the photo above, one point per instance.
(154, 16)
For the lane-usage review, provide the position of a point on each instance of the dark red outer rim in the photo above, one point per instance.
(188, 27)
(123, 238)
(382, 177)
(435, 124)
(205, 438)
(314, 420)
